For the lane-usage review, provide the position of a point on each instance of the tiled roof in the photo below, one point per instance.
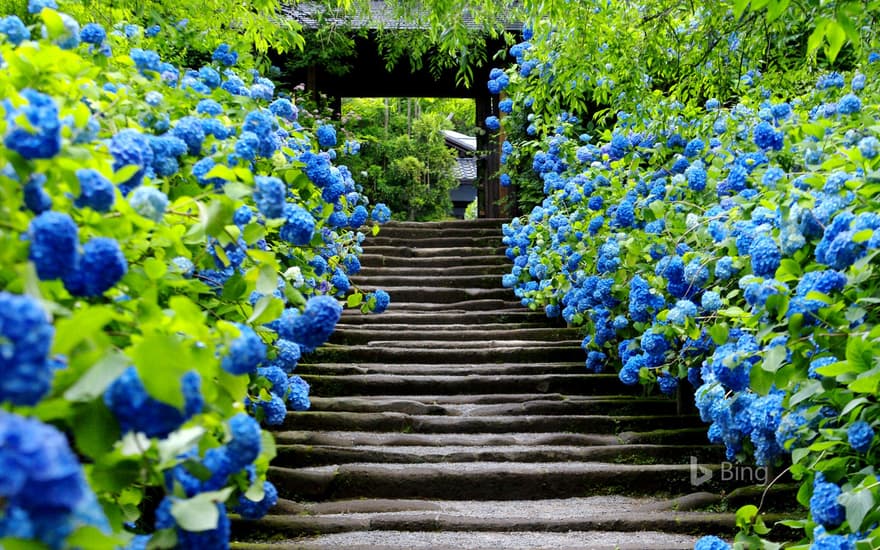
(466, 169)
(379, 16)
(460, 141)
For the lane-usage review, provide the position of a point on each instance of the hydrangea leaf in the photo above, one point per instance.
(93, 383)
(200, 513)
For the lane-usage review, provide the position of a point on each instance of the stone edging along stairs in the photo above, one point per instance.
(459, 419)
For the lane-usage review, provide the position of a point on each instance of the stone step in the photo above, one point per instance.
(440, 295)
(607, 513)
(456, 308)
(486, 480)
(435, 369)
(312, 455)
(370, 354)
(478, 540)
(372, 258)
(397, 314)
(421, 240)
(447, 225)
(401, 422)
(428, 232)
(495, 270)
(439, 330)
(435, 253)
(417, 279)
(538, 404)
(380, 384)
(680, 436)
(459, 334)
(469, 344)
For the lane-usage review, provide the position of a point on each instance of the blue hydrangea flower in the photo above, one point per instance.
(189, 130)
(288, 354)
(136, 411)
(314, 325)
(35, 197)
(381, 213)
(248, 509)
(14, 29)
(274, 410)
(225, 55)
(131, 148)
(245, 352)
(382, 300)
(711, 300)
(765, 256)
(43, 139)
(711, 542)
(212, 538)
(244, 447)
(505, 105)
(823, 503)
(299, 394)
(492, 123)
(299, 225)
(869, 147)
(283, 108)
(860, 436)
(25, 341)
(270, 194)
(358, 217)
(93, 33)
(209, 107)
(100, 266)
(849, 104)
(152, 31)
(210, 77)
(768, 138)
(54, 240)
(326, 135)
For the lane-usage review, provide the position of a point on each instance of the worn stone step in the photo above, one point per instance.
(439, 330)
(461, 334)
(378, 384)
(538, 404)
(312, 455)
(422, 240)
(446, 225)
(437, 252)
(354, 438)
(375, 258)
(609, 514)
(495, 270)
(428, 232)
(469, 344)
(482, 540)
(485, 480)
(429, 368)
(402, 422)
(440, 295)
(371, 354)
(396, 314)
(416, 279)
(455, 308)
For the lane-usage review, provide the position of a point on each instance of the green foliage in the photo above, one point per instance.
(406, 163)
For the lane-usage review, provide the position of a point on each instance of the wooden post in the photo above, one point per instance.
(487, 160)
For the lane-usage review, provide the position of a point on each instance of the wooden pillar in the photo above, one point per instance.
(487, 160)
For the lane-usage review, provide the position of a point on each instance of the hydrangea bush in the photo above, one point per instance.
(726, 250)
(171, 242)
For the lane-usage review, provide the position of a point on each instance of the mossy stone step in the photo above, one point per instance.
(472, 317)
(421, 240)
(491, 281)
(375, 258)
(435, 252)
(366, 335)
(400, 355)
(495, 270)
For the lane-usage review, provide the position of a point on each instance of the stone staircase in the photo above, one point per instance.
(459, 419)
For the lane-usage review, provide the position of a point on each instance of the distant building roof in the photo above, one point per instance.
(378, 16)
(460, 141)
(465, 169)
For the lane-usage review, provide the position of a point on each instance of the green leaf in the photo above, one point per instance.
(237, 191)
(234, 288)
(745, 515)
(21, 544)
(375, 230)
(93, 383)
(776, 9)
(155, 269)
(80, 326)
(859, 353)
(355, 300)
(836, 36)
(221, 171)
(774, 358)
(267, 309)
(256, 492)
(719, 333)
(267, 280)
(857, 504)
(761, 380)
(200, 512)
(161, 361)
(89, 536)
(178, 442)
(125, 173)
(867, 382)
(54, 23)
(739, 7)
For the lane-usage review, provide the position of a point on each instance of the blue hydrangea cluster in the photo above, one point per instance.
(25, 341)
(45, 493)
(225, 55)
(270, 194)
(248, 509)
(326, 135)
(41, 138)
(100, 266)
(245, 352)
(149, 202)
(137, 411)
(298, 398)
(860, 436)
(313, 326)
